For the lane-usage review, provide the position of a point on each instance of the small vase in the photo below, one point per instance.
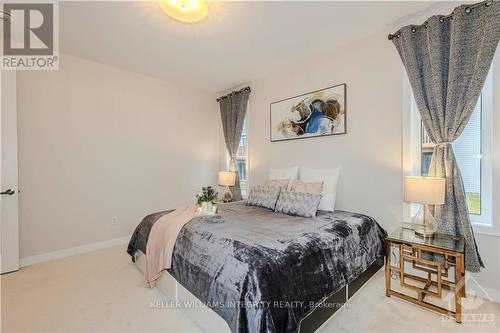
(206, 207)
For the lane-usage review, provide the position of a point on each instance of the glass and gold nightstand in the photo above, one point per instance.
(426, 266)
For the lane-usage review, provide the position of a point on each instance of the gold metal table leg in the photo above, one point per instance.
(388, 270)
(459, 286)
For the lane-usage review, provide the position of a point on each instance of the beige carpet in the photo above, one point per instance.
(102, 291)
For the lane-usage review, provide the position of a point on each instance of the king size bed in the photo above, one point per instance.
(262, 271)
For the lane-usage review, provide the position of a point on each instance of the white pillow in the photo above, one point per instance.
(330, 178)
(288, 173)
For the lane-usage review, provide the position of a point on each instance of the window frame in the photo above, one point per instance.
(485, 219)
(244, 157)
(488, 222)
(226, 163)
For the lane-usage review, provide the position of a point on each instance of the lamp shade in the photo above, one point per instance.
(227, 178)
(424, 190)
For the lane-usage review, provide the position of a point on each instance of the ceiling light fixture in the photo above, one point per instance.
(186, 11)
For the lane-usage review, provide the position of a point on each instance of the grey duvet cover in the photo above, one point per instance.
(263, 271)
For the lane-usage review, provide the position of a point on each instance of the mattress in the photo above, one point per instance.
(179, 297)
(263, 271)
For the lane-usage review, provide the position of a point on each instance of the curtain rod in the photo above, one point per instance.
(442, 18)
(234, 92)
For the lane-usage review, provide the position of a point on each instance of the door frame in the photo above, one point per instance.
(9, 204)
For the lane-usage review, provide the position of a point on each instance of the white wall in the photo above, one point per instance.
(97, 142)
(370, 154)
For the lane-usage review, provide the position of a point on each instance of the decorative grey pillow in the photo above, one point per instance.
(263, 196)
(298, 203)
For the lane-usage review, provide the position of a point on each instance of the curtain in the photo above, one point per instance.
(233, 108)
(447, 60)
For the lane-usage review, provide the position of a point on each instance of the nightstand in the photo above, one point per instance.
(426, 266)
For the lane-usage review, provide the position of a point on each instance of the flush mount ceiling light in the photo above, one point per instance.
(186, 11)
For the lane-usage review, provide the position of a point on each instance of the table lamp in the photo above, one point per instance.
(227, 178)
(425, 191)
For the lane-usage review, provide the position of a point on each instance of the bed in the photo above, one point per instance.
(262, 271)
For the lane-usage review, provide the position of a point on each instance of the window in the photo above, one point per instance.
(473, 154)
(467, 148)
(241, 160)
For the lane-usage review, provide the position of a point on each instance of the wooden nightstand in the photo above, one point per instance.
(425, 267)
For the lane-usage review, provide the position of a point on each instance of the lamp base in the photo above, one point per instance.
(423, 223)
(424, 233)
(228, 196)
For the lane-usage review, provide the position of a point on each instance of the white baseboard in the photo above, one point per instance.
(474, 288)
(26, 261)
(492, 295)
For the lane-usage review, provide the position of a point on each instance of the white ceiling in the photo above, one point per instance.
(238, 43)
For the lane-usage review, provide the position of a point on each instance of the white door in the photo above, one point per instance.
(9, 255)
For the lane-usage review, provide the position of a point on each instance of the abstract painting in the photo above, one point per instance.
(318, 113)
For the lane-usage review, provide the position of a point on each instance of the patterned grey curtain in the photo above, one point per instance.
(233, 108)
(447, 60)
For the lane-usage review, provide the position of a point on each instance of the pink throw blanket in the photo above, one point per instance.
(162, 239)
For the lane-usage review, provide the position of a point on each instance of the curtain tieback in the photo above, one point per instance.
(443, 143)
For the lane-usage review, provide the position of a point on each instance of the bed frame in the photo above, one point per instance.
(209, 321)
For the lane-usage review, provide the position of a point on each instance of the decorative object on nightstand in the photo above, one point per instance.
(206, 198)
(425, 191)
(434, 257)
(227, 178)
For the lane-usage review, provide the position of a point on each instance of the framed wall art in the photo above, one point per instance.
(318, 113)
